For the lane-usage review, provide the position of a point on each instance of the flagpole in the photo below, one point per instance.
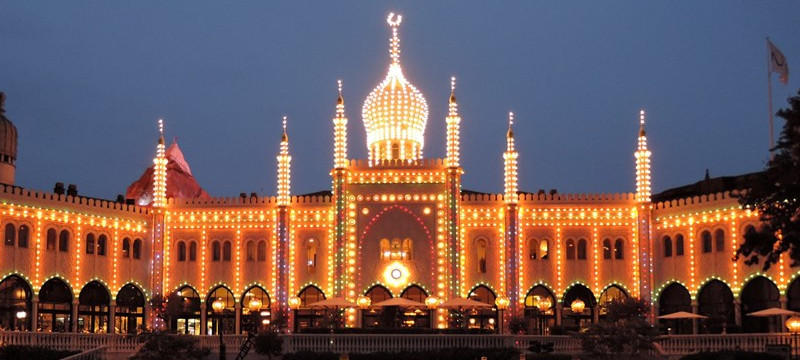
(769, 92)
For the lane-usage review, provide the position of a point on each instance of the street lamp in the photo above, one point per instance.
(793, 324)
(432, 303)
(543, 304)
(577, 307)
(218, 306)
(254, 306)
(363, 303)
(21, 315)
(502, 303)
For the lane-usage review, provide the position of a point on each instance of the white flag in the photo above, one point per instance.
(777, 62)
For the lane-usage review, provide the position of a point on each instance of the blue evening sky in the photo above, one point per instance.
(87, 80)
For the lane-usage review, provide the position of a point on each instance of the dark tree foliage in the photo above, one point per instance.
(625, 334)
(162, 346)
(776, 197)
(268, 343)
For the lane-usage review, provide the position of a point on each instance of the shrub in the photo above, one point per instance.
(309, 355)
(162, 346)
(443, 354)
(14, 352)
(732, 355)
(268, 343)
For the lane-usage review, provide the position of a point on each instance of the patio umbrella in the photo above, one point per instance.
(333, 303)
(462, 303)
(399, 301)
(682, 315)
(772, 312)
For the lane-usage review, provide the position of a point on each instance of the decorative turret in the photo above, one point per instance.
(340, 133)
(453, 121)
(160, 169)
(395, 112)
(642, 155)
(8, 145)
(284, 169)
(510, 161)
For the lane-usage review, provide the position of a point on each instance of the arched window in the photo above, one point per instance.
(129, 310)
(15, 296)
(581, 249)
(51, 239)
(101, 244)
(311, 255)
(226, 319)
(675, 298)
(24, 235)
(94, 301)
(533, 249)
(308, 318)
(667, 246)
(570, 249)
(55, 306)
(126, 247)
(544, 249)
(11, 235)
(137, 249)
(719, 239)
(216, 252)
(193, 251)
(251, 251)
(262, 250)
(396, 249)
(181, 251)
(226, 251)
(309, 295)
(715, 300)
(185, 315)
(481, 252)
(414, 293)
(679, 245)
(258, 295)
(619, 247)
(90, 243)
(705, 237)
(606, 249)
(395, 151)
(484, 318)
(63, 241)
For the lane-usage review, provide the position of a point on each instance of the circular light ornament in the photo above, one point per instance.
(396, 274)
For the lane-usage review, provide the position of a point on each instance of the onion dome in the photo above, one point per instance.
(395, 112)
(8, 135)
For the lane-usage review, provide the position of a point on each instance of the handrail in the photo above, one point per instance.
(98, 353)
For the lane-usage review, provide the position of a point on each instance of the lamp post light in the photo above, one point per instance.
(21, 315)
(543, 305)
(363, 303)
(218, 306)
(793, 324)
(294, 304)
(502, 303)
(577, 307)
(432, 303)
(255, 307)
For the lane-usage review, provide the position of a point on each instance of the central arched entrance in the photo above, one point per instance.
(539, 313)
(129, 316)
(483, 318)
(759, 294)
(675, 298)
(576, 320)
(377, 317)
(55, 307)
(93, 308)
(715, 300)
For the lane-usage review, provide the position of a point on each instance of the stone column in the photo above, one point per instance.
(557, 313)
(238, 309)
(784, 305)
(694, 321)
(596, 314)
(737, 312)
(74, 317)
(112, 314)
(203, 314)
(34, 313)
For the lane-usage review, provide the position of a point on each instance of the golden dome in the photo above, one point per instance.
(395, 112)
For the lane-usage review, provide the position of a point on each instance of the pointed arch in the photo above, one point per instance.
(715, 300)
(310, 294)
(378, 293)
(183, 307)
(129, 310)
(16, 294)
(414, 292)
(55, 306)
(94, 303)
(759, 293)
(672, 298)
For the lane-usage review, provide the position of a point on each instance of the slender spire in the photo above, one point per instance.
(394, 45)
(453, 122)
(642, 155)
(510, 160)
(340, 133)
(2, 102)
(160, 169)
(284, 169)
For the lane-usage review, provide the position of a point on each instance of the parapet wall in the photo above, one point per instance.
(40, 198)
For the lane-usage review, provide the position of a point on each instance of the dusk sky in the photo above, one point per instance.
(87, 81)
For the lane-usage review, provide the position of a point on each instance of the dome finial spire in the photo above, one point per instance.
(510, 132)
(452, 89)
(2, 102)
(641, 122)
(161, 131)
(340, 100)
(394, 22)
(285, 136)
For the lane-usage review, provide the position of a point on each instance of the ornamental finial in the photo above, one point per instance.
(452, 89)
(285, 137)
(641, 123)
(161, 131)
(340, 100)
(510, 132)
(394, 22)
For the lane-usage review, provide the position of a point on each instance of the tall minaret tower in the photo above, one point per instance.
(282, 227)
(339, 174)
(644, 210)
(8, 145)
(511, 243)
(159, 213)
(454, 172)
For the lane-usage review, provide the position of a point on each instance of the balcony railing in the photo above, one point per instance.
(673, 345)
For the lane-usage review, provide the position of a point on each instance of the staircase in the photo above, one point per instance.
(246, 346)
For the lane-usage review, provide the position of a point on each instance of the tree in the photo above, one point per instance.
(268, 343)
(775, 195)
(625, 333)
(162, 346)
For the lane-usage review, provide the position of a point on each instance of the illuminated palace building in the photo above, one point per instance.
(395, 225)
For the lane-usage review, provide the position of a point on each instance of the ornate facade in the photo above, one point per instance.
(397, 224)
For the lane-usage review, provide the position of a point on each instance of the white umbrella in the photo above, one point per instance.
(399, 301)
(772, 312)
(682, 315)
(333, 303)
(463, 303)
